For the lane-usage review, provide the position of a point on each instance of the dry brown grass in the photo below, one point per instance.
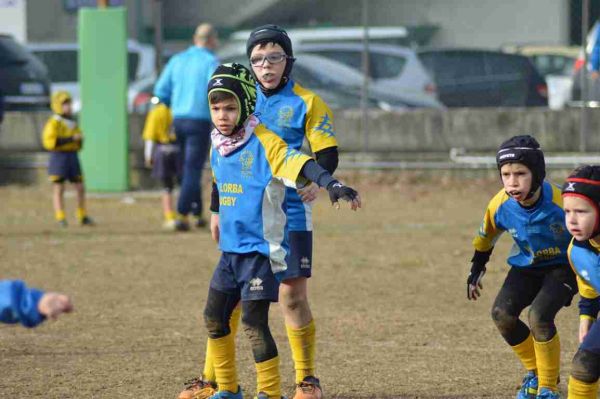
(388, 295)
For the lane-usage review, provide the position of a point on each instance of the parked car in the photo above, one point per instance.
(23, 78)
(338, 84)
(349, 34)
(395, 70)
(483, 78)
(320, 72)
(578, 69)
(61, 61)
(548, 59)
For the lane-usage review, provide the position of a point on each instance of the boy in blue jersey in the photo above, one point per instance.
(295, 114)
(530, 209)
(251, 167)
(30, 306)
(581, 196)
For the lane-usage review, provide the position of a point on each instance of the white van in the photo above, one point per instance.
(349, 34)
(61, 62)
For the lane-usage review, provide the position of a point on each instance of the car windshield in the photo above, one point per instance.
(62, 64)
(11, 52)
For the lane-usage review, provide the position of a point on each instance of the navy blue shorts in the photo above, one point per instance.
(591, 342)
(299, 260)
(64, 166)
(247, 275)
(167, 164)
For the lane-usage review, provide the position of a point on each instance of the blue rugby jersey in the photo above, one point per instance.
(584, 258)
(540, 235)
(251, 183)
(293, 114)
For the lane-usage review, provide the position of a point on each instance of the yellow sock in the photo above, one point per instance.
(59, 215)
(582, 390)
(81, 213)
(169, 216)
(302, 343)
(526, 353)
(548, 362)
(209, 366)
(223, 353)
(268, 379)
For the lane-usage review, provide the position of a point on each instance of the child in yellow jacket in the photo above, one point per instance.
(63, 138)
(163, 155)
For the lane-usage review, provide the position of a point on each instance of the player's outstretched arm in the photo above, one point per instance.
(29, 306)
(313, 172)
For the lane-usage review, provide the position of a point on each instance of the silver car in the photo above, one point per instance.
(395, 70)
(335, 81)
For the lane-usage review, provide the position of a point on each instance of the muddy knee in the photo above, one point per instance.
(505, 322)
(215, 326)
(293, 300)
(255, 320)
(217, 313)
(543, 330)
(585, 366)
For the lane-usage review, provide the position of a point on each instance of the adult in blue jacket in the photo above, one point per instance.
(29, 306)
(182, 86)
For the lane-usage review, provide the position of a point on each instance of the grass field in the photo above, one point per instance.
(388, 295)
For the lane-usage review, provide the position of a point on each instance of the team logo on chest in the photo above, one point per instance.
(246, 160)
(557, 229)
(285, 115)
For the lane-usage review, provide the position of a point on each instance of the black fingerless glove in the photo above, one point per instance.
(338, 191)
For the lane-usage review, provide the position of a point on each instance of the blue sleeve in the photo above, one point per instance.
(19, 304)
(164, 86)
(589, 307)
(595, 55)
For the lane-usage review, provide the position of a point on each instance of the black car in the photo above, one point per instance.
(24, 81)
(482, 78)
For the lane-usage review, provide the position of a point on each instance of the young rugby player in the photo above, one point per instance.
(294, 114)
(581, 196)
(251, 167)
(62, 137)
(163, 155)
(530, 210)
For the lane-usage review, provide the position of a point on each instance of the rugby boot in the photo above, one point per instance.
(547, 393)
(529, 386)
(182, 225)
(309, 388)
(228, 394)
(169, 224)
(86, 221)
(262, 395)
(62, 223)
(197, 388)
(200, 222)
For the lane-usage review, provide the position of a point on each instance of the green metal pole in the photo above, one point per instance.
(103, 84)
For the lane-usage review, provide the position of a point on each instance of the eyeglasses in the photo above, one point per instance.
(273, 58)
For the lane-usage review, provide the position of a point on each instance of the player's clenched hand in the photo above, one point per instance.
(474, 281)
(585, 325)
(214, 227)
(338, 191)
(309, 192)
(52, 304)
